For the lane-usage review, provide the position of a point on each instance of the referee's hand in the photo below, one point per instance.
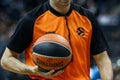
(46, 75)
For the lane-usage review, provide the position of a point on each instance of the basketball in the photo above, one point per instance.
(51, 52)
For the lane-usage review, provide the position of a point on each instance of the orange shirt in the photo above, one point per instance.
(76, 26)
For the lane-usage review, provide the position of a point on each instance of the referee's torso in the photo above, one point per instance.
(76, 26)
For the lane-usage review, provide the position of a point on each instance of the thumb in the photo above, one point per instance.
(35, 68)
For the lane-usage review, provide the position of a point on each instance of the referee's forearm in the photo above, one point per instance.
(106, 71)
(13, 65)
(105, 66)
(10, 62)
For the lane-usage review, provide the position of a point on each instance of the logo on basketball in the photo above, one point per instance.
(49, 63)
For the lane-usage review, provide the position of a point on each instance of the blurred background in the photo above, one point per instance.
(107, 13)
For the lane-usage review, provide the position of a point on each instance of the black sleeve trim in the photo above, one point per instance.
(98, 41)
(22, 36)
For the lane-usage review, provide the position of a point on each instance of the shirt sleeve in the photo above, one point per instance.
(98, 41)
(22, 36)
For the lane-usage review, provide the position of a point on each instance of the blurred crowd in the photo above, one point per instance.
(106, 11)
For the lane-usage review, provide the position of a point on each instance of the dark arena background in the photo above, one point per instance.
(106, 11)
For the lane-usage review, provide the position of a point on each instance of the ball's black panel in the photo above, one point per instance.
(51, 49)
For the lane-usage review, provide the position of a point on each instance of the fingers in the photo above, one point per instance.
(58, 72)
(50, 74)
(47, 75)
